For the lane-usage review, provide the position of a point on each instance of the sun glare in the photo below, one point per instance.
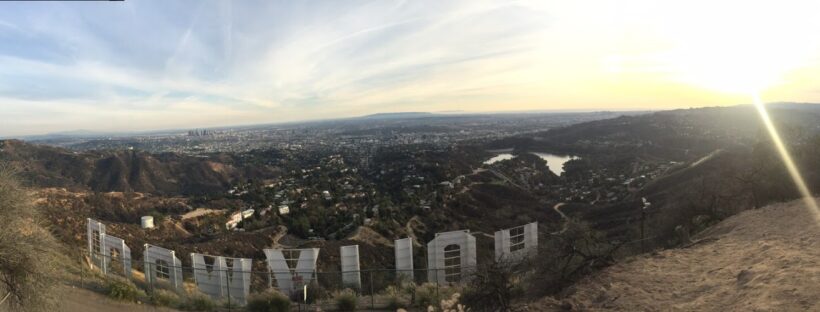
(794, 172)
(756, 51)
(731, 47)
(745, 70)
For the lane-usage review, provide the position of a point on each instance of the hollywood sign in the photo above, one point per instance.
(451, 257)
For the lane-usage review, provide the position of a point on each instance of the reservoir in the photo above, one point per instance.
(554, 162)
(499, 157)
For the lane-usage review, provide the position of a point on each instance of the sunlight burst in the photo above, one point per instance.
(794, 172)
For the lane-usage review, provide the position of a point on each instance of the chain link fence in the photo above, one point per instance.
(375, 289)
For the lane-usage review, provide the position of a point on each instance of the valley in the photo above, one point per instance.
(332, 196)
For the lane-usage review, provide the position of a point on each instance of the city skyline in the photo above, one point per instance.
(149, 65)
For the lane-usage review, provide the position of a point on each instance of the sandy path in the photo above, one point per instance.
(83, 300)
(196, 213)
(760, 260)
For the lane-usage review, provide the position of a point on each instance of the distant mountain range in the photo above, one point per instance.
(91, 134)
(109, 171)
(400, 115)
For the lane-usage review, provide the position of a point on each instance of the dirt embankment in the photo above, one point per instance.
(760, 260)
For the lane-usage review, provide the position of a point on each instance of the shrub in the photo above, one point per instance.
(580, 250)
(493, 287)
(346, 300)
(394, 301)
(427, 295)
(315, 292)
(28, 269)
(229, 305)
(453, 305)
(270, 301)
(162, 297)
(197, 302)
(430, 295)
(122, 290)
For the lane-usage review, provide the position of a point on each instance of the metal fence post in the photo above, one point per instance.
(228, 289)
(295, 289)
(149, 274)
(372, 300)
(82, 270)
(437, 285)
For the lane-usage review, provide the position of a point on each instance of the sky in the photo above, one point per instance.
(144, 65)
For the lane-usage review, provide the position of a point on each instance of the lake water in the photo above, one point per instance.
(499, 157)
(554, 162)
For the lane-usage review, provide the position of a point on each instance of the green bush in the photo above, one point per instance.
(431, 295)
(427, 295)
(316, 292)
(394, 300)
(345, 300)
(162, 297)
(270, 301)
(197, 302)
(229, 305)
(394, 303)
(122, 290)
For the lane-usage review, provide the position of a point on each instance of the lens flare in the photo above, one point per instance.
(808, 198)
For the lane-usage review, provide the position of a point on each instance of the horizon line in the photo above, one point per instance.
(112, 133)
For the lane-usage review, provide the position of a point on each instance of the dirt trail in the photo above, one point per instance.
(760, 260)
(557, 209)
(83, 300)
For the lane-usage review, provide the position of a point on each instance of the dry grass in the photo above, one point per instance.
(28, 265)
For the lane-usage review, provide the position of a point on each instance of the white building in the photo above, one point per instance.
(147, 222)
(237, 217)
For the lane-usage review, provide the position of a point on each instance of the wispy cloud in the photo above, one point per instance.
(159, 64)
(250, 61)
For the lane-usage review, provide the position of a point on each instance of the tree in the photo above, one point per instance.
(494, 286)
(27, 251)
(567, 257)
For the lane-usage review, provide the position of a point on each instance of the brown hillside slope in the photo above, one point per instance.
(124, 170)
(760, 260)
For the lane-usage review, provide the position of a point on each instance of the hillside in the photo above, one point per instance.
(676, 134)
(695, 166)
(760, 260)
(117, 171)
